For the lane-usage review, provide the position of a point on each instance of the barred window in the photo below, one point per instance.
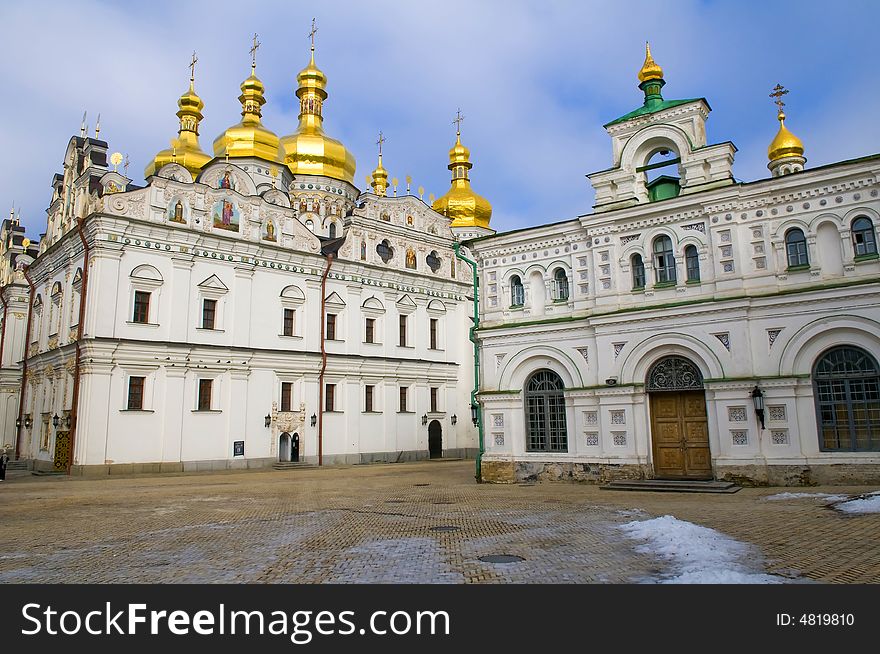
(545, 413)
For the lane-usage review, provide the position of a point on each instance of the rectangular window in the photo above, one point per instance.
(402, 323)
(368, 399)
(209, 311)
(288, 322)
(369, 336)
(434, 393)
(433, 334)
(403, 399)
(286, 389)
(205, 386)
(141, 307)
(329, 397)
(331, 326)
(135, 393)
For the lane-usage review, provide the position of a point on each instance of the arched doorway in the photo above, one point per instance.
(294, 447)
(846, 386)
(545, 413)
(435, 440)
(679, 423)
(284, 447)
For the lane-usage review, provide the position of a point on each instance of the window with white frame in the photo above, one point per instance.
(146, 284)
(212, 294)
(292, 300)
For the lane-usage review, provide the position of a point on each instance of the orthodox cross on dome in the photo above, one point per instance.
(253, 51)
(380, 142)
(312, 34)
(457, 122)
(778, 92)
(192, 67)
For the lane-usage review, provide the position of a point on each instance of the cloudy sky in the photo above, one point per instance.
(535, 80)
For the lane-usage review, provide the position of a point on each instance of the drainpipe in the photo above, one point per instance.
(79, 334)
(3, 332)
(473, 338)
(27, 345)
(323, 363)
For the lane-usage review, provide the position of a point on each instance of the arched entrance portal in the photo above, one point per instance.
(294, 447)
(284, 447)
(435, 440)
(679, 424)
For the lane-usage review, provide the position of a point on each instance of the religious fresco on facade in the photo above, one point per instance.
(226, 215)
(226, 181)
(269, 233)
(175, 211)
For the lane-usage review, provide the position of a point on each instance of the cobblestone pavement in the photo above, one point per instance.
(378, 523)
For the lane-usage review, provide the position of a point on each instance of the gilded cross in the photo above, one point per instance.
(778, 92)
(192, 67)
(312, 33)
(254, 48)
(457, 122)
(380, 142)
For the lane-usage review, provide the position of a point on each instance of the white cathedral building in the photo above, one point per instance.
(691, 326)
(241, 309)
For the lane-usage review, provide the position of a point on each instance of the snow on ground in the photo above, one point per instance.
(869, 503)
(828, 497)
(696, 554)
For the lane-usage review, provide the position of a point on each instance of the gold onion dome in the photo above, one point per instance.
(650, 69)
(309, 151)
(185, 149)
(460, 204)
(380, 179)
(785, 144)
(249, 138)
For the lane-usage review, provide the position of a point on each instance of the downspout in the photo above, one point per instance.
(323, 363)
(473, 338)
(27, 345)
(79, 334)
(3, 332)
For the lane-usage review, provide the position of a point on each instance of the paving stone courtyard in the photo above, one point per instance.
(379, 523)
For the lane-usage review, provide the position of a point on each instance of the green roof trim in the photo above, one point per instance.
(651, 108)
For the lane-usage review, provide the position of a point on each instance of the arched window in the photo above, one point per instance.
(664, 261)
(796, 248)
(385, 251)
(692, 261)
(517, 292)
(863, 236)
(638, 271)
(846, 386)
(560, 285)
(310, 225)
(545, 413)
(332, 232)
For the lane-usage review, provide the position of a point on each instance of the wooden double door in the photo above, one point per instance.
(680, 435)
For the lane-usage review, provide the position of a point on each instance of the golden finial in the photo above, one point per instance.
(174, 154)
(408, 182)
(650, 69)
(116, 159)
(394, 182)
(421, 192)
(254, 49)
(192, 68)
(25, 242)
(312, 34)
(98, 126)
(368, 179)
(82, 125)
(457, 122)
(778, 92)
(431, 198)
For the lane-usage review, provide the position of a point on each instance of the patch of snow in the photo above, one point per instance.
(698, 555)
(828, 497)
(869, 503)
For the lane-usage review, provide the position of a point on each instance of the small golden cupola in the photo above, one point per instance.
(380, 175)
(650, 69)
(309, 151)
(460, 204)
(249, 138)
(786, 151)
(185, 149)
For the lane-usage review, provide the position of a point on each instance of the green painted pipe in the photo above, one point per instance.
(473, 337)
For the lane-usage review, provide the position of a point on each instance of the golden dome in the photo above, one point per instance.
(185, 149)
(309, 151)
(380, 179)
(785, 144)
(460, 204)
(249, 138)
(650, 69)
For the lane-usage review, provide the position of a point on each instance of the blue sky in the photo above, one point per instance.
(535, 80)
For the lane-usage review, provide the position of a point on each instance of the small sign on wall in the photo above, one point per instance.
(238, 448)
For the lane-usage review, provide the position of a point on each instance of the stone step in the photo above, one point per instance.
(17, 465)
(672, 486)
(292, 465)
(49, 473)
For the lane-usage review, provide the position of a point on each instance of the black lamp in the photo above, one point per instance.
(55, 421)
(453, 419)
(314, 419)
(758, 401)
(475, 413)
(425, 419)
(268, 419)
